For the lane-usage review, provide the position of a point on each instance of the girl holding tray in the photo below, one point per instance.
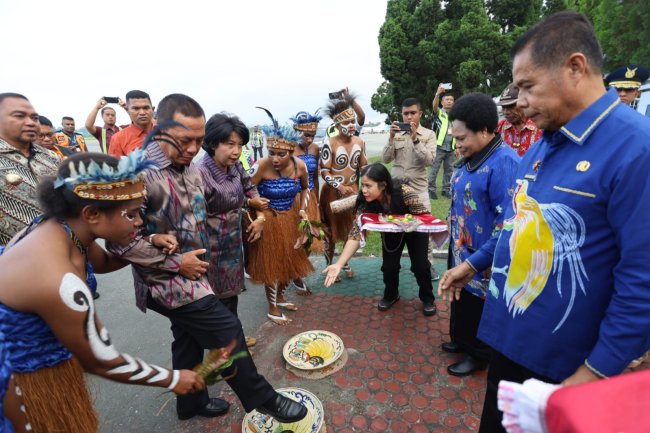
(382, 194)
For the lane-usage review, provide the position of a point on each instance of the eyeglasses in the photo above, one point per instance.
(45, 135)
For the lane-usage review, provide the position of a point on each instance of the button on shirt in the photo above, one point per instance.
(570, 279)
(412, 160)
(19, 177)
(175, 205)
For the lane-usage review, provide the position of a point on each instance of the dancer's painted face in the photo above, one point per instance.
(279, 158)
(371, 190)
(122, 224)
(347, 128)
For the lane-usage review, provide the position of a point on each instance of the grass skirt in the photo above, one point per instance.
(339, 224)
(57, 399)
(273, 258)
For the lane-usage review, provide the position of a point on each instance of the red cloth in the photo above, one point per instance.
(430, 224)
(520, 141)
(617, 405)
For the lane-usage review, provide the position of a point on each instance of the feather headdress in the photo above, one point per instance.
(279, 137)
(340, 110)
(305, 122)
(102, 182)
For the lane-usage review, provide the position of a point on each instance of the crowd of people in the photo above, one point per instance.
(547, 230)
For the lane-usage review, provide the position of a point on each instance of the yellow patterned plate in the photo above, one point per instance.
(255, 422)
(312, 350)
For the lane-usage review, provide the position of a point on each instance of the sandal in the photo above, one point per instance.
(279, 320)
(348, 272)
(303, 289)
(289, 306)
(250, 341)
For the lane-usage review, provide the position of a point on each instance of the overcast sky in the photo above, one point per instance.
(285, 55)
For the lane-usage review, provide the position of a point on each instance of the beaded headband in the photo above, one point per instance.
(279, 137)
(347, 114)
(280, 144)
(91, 181)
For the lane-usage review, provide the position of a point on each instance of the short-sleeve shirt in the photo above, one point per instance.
(128, 140)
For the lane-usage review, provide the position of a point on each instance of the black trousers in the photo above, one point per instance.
(502, 368)
(463, 325)
(257, 150)
(207, 324)
(417, 245)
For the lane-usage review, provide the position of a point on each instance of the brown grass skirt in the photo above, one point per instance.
(273, 258)
(338, 223)
(57, 399)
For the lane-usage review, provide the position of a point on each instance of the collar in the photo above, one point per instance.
(580, 127)
(140, 130)
(476, 160)
(528, 125)
(8, 148)
(218, 174)
(113, 128)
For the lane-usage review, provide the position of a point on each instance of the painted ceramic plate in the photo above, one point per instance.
(312, 350)
(255, 422)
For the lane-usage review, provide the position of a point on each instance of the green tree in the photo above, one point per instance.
(510, 14)
(421, 44)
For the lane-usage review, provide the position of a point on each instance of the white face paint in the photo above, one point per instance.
(76, 296)
(347, 129)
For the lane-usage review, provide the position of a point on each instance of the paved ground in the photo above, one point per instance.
(395, 379)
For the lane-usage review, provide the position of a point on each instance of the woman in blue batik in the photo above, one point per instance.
(482, 187)
(309, 152)
(274, 261)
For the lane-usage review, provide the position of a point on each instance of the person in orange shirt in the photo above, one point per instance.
(140, 109)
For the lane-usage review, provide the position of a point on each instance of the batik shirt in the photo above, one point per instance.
(482, 188)
(175, 205)
(570, 278)
(225, 193)
(19, 203)
(520, 141)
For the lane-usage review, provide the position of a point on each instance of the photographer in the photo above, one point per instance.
(446, 143)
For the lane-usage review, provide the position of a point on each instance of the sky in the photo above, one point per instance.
(284, 55)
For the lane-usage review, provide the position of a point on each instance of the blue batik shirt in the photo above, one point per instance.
(571, 272)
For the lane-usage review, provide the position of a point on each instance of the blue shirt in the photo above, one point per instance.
(481, 190)
(571, 272)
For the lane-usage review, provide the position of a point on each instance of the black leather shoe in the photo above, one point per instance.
(429, 309)
(385, 304)
(283, 409)
(451, 347)
(96, 295)
(466, 367)
(215, 407)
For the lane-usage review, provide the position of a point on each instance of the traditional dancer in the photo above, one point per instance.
(341, 160)
(48, 322)
(382, 194)
(227, 186)
(274, 261)
(307, 124)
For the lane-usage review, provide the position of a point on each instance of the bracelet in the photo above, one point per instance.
(302, 210)
(151, 238)
(176, 375)
(471, 265)
(261, 217)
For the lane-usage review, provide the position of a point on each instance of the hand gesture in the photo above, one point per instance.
(121, 103)
(331, 272)
(259, 203)
(255, 230)
(101, 103)
(167, 243)
(188, 382)
(453, 281)
(441, 89)
(414, 131)
(191, 266)
(346, 190)
(394, 129)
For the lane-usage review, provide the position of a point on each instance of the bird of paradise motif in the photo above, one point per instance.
(544, 237)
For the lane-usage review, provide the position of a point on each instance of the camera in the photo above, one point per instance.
(336, 95)
(111, 99)
(404, 126)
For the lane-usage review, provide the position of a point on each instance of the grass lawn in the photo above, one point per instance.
(439, 208)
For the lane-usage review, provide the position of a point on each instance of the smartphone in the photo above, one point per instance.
(111, 99)
(404, 126)
(336, 95)
(447, 86)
